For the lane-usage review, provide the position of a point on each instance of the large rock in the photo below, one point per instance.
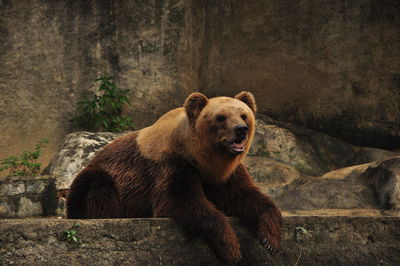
(369, 186)
(309, 151)
(385, 181)
(341, 189)
(76, 151)
(270, 173)
(307, 240)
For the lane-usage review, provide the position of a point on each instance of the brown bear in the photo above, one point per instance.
(187, 166)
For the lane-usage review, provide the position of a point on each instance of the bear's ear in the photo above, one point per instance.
(247, 98)
(193, 105)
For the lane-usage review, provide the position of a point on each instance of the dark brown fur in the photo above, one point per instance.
(121, 182)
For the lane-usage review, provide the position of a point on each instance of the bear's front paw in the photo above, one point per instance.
(229, 253)
(270, 229)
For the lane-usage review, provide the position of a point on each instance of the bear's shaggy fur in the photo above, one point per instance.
(187, 166)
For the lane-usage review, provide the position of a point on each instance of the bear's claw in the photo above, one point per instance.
(235, 261)
(267, 245)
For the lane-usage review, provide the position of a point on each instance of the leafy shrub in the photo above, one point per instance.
(103, 113)
(26, 164)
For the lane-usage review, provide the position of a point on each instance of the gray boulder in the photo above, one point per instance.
(368, 186)
(76, 151)
(344, 188)
(309, 151)
(270, 173)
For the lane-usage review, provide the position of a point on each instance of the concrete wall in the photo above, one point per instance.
(307, 240)
(332, 65)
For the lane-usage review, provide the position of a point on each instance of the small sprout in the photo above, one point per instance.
(302, 230)
(71, 234)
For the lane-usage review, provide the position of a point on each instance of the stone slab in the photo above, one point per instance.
(307, 240)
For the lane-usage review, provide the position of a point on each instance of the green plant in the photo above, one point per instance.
(104, 112)
(71, 234)
(26, 164)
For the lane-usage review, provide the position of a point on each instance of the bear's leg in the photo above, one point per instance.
(241, 197)
(183, 200)
(93, 194)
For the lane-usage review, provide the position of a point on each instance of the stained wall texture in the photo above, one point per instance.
(51, 52)
(330, 65)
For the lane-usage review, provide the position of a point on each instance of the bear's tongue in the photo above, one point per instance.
(238, 146)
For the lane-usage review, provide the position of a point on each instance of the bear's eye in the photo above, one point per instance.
(221, 118)
(243, 116)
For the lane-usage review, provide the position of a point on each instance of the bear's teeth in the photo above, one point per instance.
(238, 146)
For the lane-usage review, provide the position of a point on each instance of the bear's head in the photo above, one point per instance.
(223, 124)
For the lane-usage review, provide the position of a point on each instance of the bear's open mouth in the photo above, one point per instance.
(235, 147)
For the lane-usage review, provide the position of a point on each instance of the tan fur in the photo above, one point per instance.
(168, 132)
(173, 133)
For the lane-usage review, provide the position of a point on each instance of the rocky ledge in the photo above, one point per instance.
(307, 240)
(301, 169)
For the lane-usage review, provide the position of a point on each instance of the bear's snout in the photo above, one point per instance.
(241, 132)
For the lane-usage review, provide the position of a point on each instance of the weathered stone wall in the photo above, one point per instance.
(332, 65)
(27, 196)
(51, 52)
(157, 44)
